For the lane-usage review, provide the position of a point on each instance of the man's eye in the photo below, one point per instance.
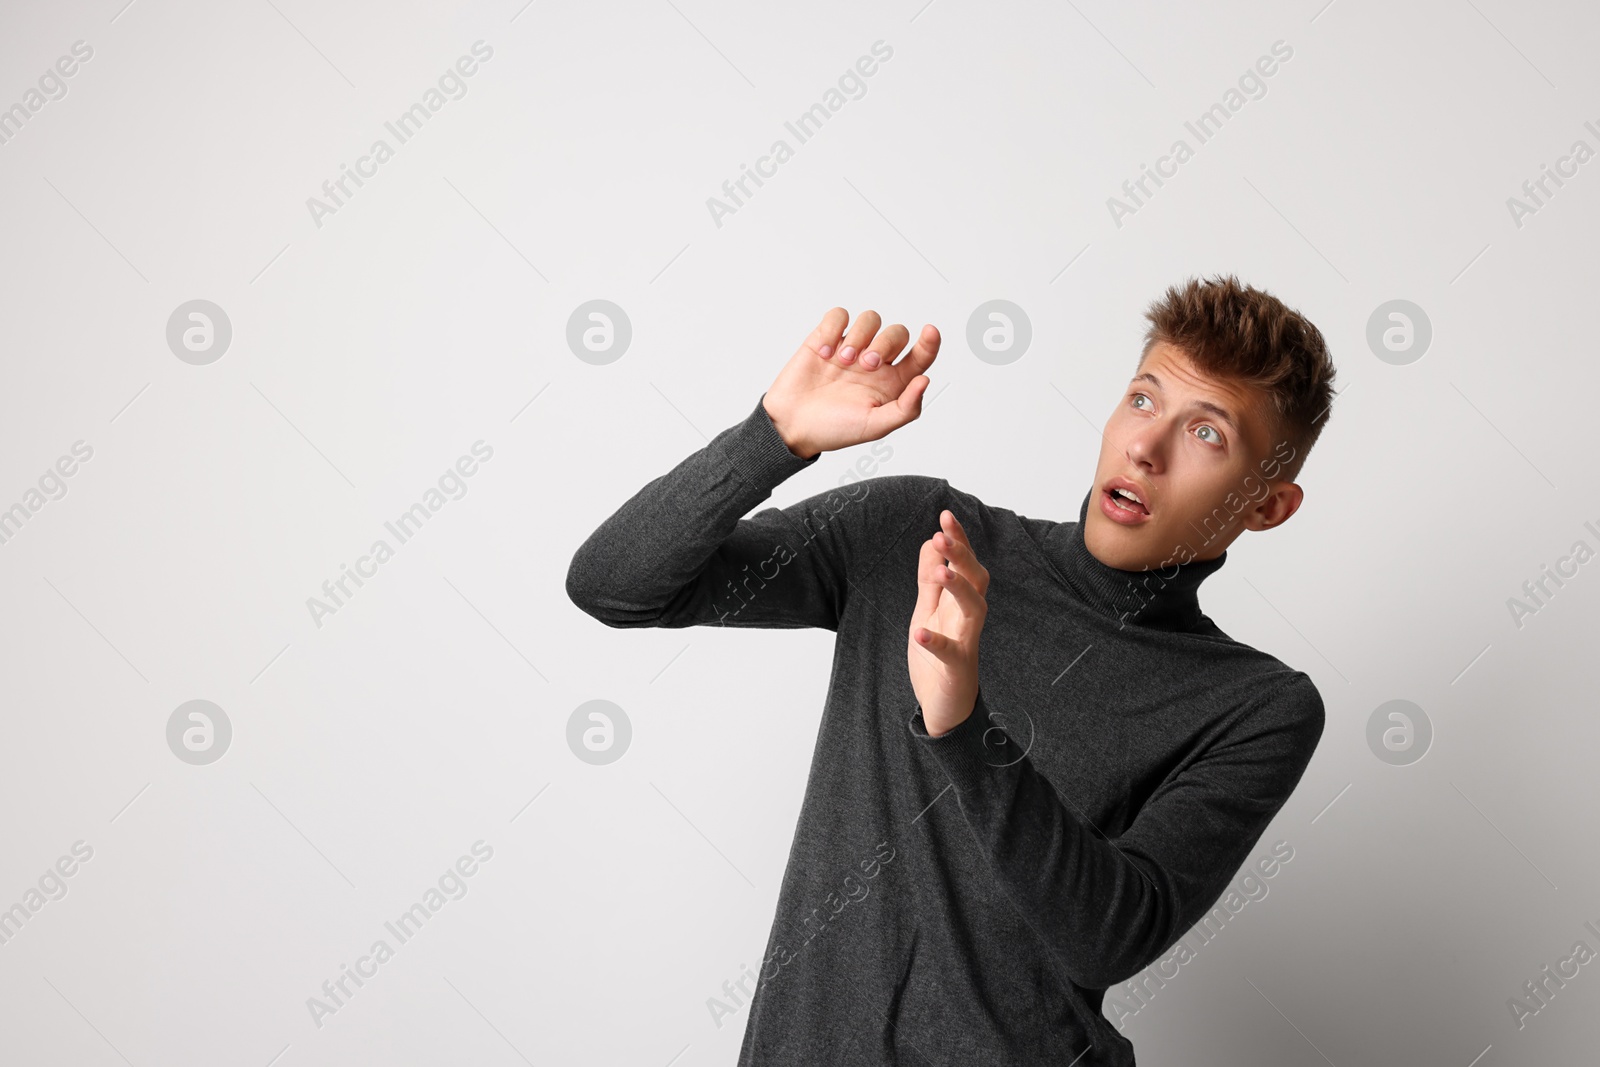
(1138, 397)
(1214, 439)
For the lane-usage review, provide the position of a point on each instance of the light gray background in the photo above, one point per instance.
(430, 312)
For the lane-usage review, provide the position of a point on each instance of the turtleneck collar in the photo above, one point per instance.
(1159, 598)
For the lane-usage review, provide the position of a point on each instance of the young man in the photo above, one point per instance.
(995, 833)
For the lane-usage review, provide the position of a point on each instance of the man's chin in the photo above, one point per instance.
(1115, 545)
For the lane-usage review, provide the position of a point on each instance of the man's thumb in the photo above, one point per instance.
(906, 408)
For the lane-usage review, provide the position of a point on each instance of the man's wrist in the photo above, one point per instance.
(758, 453)
(797, 448)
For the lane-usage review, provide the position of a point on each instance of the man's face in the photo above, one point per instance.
(1198, 453)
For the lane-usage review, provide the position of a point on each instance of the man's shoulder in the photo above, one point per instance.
(1262, 681)
(1295, 691)
(1288, 699)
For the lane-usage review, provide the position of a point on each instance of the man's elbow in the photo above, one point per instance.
(584, 591)
(589, 592)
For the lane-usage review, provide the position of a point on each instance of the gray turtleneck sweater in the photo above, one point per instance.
(966, 900)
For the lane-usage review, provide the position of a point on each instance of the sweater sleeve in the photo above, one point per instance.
(1105, 908)
(677, 553)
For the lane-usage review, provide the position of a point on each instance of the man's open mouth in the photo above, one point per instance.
(1127, 500)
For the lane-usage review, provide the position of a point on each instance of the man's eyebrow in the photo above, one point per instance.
(1203, 405)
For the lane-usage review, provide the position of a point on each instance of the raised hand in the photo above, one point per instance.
(942, 653)
(842, 389)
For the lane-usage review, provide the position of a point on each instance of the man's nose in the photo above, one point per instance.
(1147, 447)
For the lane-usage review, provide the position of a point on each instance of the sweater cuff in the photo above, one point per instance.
(972, 750)
(757, 451)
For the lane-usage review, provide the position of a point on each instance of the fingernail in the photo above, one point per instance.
(847, 353)
(825, 351)
(870, 360)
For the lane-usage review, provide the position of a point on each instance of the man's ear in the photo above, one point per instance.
(1275, 508)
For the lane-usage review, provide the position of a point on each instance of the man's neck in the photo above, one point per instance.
(1159, 598)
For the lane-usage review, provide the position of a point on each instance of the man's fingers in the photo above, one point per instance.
(824, 340)
(928, 588)
(958, 550)
(907, 407)
(923, 353)
(858, 337)
(884, 347)
(934, 577)
(966, 594)
(954, 530)
(942, 647)
(831, 340)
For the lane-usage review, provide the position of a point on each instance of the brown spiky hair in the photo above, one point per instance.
(1244, 335)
